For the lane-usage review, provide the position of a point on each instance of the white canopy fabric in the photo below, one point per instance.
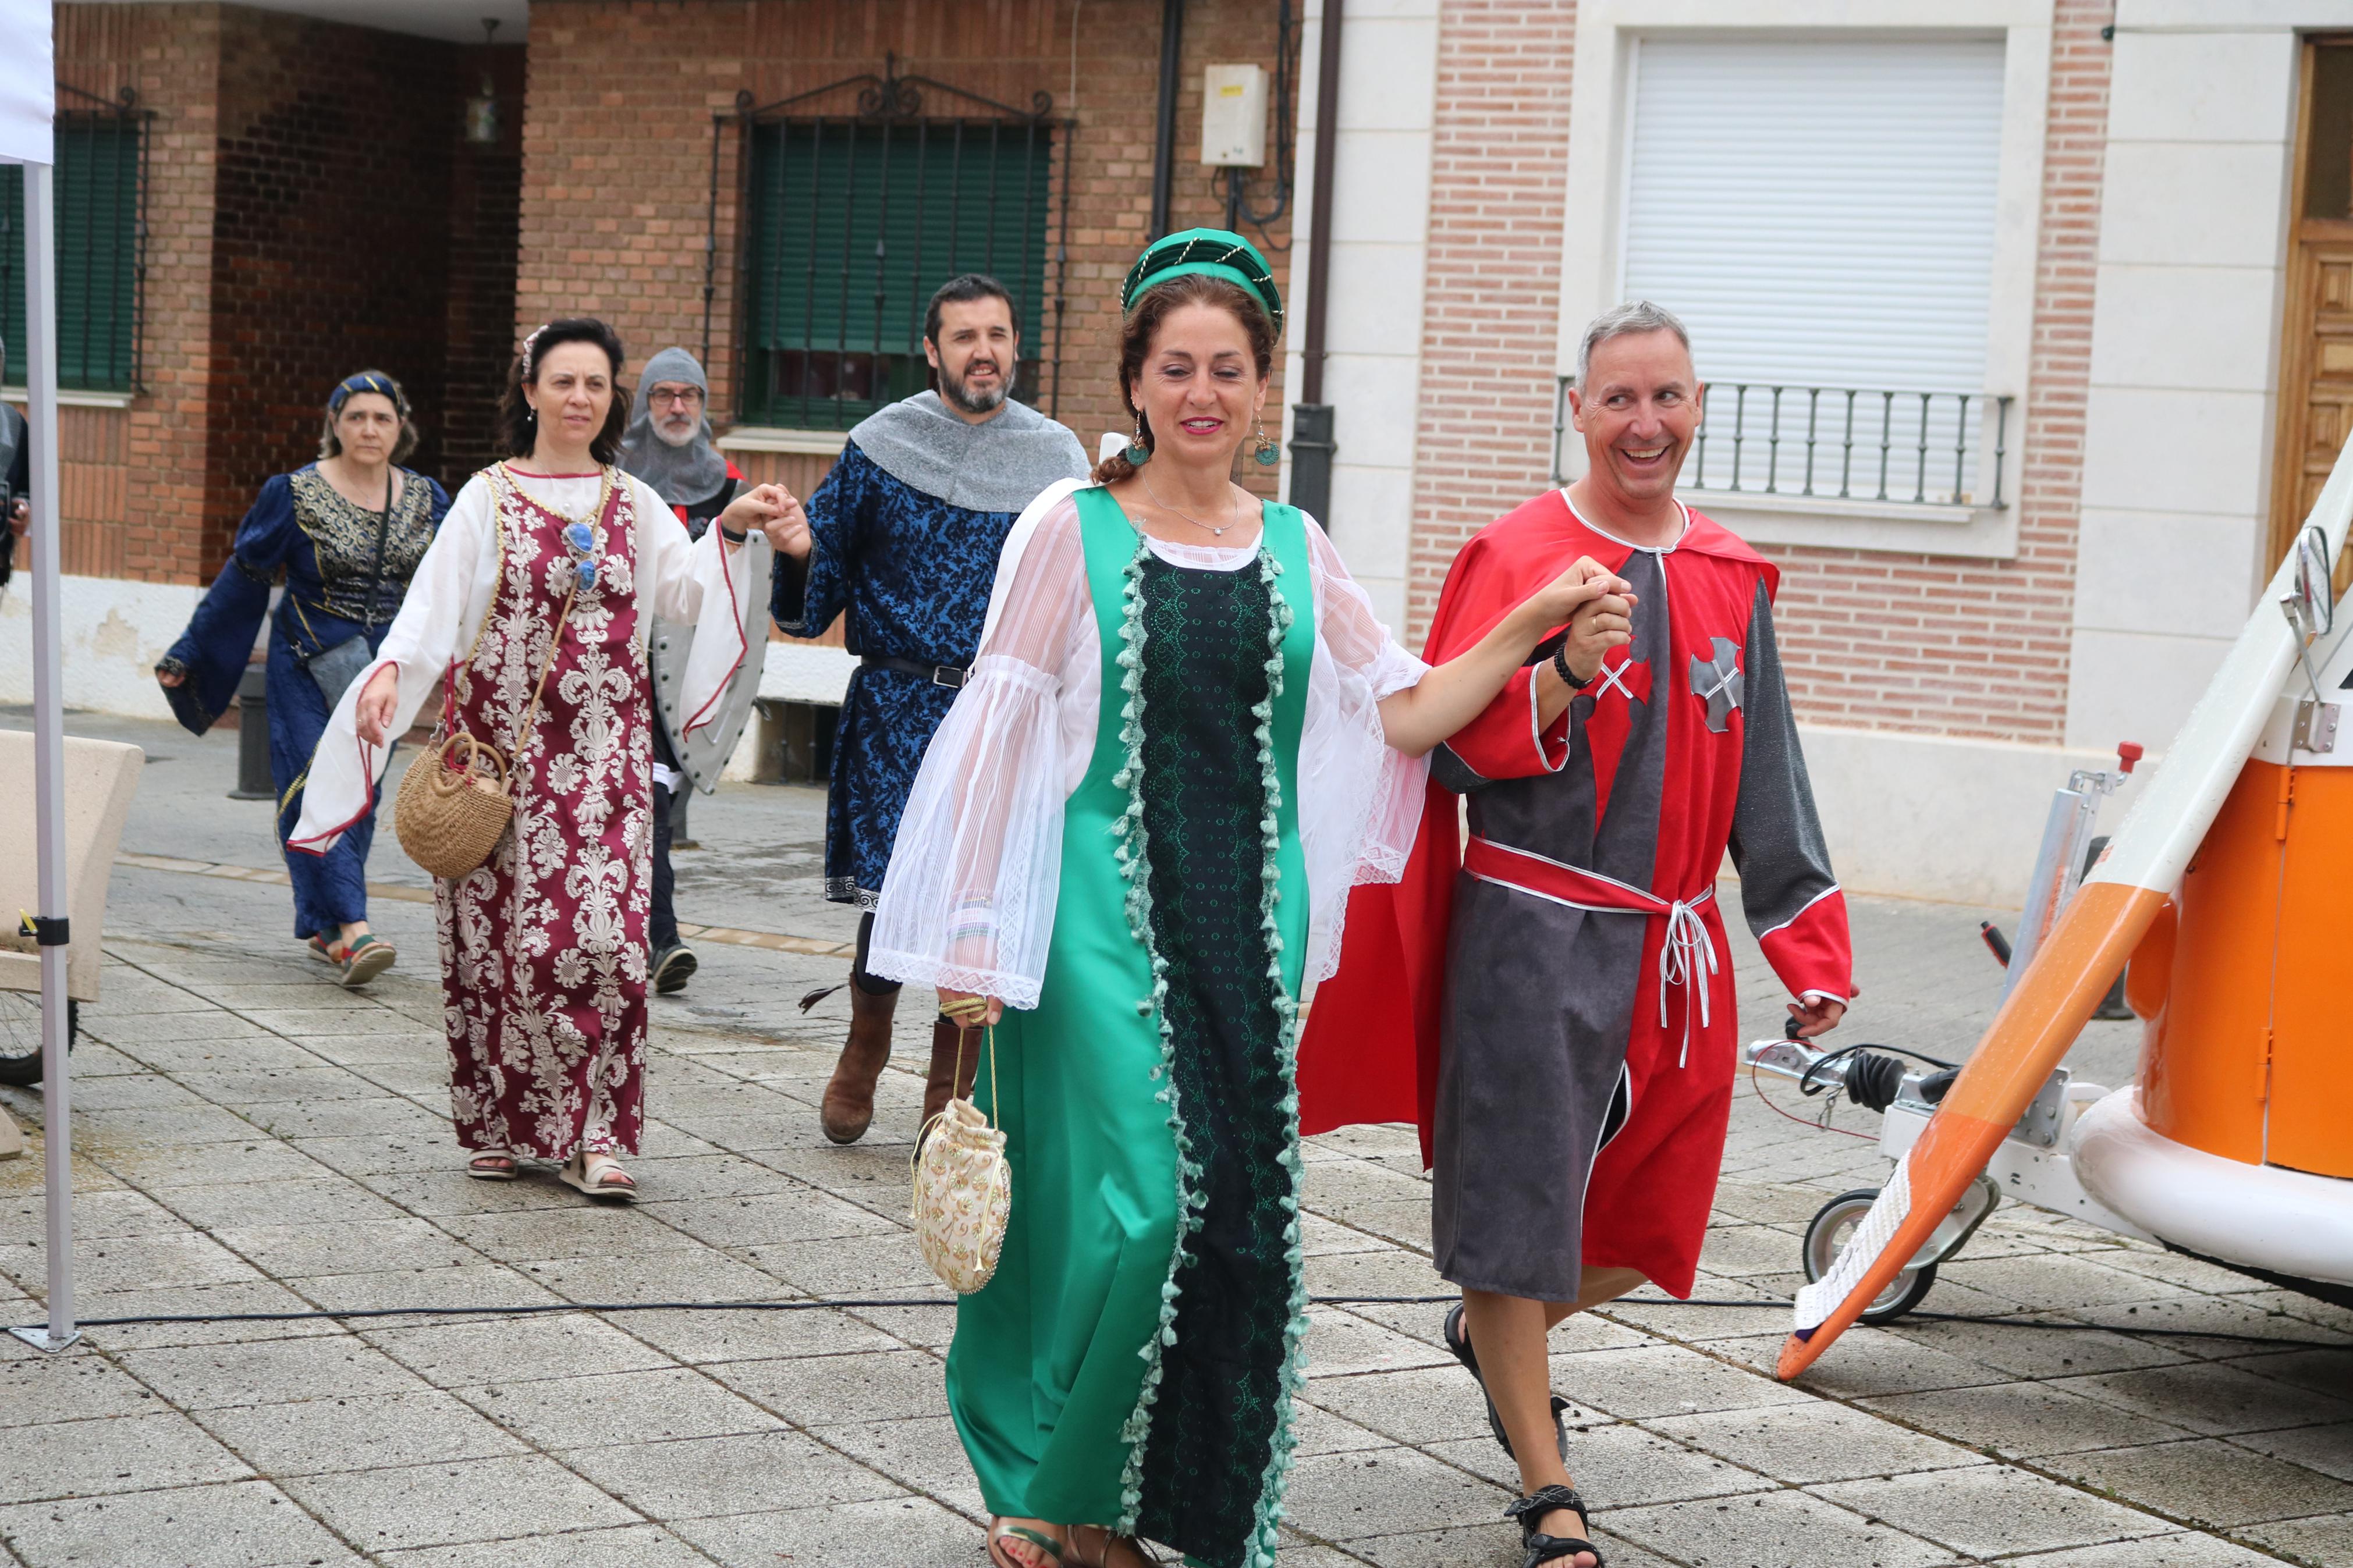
(29, 90)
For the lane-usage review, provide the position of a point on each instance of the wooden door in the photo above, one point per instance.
(2317, 405)
(2316, 389)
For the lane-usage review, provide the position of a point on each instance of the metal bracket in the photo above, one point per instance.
(1953, 1231)
(2046, 1117)
(46, 931)
(40, 1341)
(2316, 727)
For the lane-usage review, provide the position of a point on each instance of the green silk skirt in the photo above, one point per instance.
(1132, 1361)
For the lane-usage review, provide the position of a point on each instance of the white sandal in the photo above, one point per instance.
(600, 1175)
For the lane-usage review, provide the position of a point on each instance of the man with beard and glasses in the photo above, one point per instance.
(903, 535)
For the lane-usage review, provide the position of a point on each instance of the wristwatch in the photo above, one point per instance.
(1560, 667)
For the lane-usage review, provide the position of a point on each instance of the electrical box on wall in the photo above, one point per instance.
(1233, 116)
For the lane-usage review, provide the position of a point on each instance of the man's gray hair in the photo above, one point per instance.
(1621, 321)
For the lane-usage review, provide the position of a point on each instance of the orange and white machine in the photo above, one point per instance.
(2230, 889)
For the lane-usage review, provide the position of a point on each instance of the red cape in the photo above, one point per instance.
(1369, 1052)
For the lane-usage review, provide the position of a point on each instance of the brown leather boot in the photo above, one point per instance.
(946, 1082)
(848, 1108)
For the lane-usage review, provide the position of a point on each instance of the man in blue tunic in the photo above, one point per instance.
(903, 535)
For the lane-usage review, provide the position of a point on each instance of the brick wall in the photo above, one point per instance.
(310, 208)
(133, 478)
(331, 238)
(617, 149)
(1874, 640)
(485, 218)
(1493, 298)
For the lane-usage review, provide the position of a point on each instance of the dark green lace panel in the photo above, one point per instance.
(1213, 1423)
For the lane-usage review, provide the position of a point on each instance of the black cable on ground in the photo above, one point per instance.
(813, 1303)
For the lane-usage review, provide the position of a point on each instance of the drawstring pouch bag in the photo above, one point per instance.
(963, 1188)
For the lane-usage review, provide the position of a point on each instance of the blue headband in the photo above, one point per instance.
(366, 381)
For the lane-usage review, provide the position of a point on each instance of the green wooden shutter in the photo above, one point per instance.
(853, 226)
(97, 251)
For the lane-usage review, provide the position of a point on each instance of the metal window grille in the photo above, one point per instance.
(1839, 443)
(851, 221)
(102, 188)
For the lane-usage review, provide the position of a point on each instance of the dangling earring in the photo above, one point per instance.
(1137, 453)
(1266, 454)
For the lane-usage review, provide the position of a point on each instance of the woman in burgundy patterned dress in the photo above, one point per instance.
(546, 577)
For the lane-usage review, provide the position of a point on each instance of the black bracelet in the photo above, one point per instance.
(1560, 667)
(731, 536)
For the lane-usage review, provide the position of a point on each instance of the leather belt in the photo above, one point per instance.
(1687, 957)
(947, 675)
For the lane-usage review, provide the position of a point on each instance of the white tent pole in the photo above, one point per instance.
(49, 747)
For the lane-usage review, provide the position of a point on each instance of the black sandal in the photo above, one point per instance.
(1459, 1343)
(1542, 1548)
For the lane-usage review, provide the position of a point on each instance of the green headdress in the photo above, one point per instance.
(1213, 251)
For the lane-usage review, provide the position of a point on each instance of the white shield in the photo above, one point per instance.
(701, 755)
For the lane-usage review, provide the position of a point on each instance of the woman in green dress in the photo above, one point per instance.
(1186, 737)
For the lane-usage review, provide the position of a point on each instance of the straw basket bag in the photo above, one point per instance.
(455, 801)
(453, 806)
(963, 1188)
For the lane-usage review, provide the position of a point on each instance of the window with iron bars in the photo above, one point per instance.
(852, 223)
(1837, 443)
(99, 186)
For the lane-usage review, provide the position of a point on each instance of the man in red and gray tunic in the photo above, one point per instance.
(1553, 1000)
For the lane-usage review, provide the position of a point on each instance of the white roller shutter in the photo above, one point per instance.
(1819, 212)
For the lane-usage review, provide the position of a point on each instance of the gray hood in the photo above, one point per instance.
(680, 475)
(999, 466)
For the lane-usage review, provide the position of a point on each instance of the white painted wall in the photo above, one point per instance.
(111, 634)
(2185, 354)
(1380, 226)
(1927, 817)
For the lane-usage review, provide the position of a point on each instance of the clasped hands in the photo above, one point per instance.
(772, 509)
(775, 511)
(1598, 606)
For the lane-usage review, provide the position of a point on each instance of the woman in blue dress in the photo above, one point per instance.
(348, 532)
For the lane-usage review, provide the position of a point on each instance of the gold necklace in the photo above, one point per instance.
(1214, 530)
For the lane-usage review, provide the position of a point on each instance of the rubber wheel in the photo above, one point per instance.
(20, 1036)
(1826, 1235)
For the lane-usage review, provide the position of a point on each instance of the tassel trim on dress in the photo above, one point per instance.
(1268, 1517)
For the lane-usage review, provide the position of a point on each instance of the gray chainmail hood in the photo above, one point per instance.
(680, 475)
(1000, 465)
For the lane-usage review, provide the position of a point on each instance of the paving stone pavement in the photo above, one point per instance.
(249, 1138)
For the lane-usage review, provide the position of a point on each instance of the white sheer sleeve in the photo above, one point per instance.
(447, 601)
(704, 583)
(1360, 802)
(968, 900)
